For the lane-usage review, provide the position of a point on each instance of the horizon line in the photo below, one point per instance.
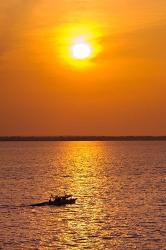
(85, 138)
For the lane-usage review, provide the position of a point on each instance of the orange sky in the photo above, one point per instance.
(121, 90)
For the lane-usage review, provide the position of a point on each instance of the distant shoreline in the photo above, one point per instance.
(82, 138)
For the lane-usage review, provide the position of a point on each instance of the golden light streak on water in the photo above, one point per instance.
(119, 186)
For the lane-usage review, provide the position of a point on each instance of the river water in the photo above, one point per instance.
(120, 188)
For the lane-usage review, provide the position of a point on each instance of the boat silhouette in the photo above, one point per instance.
(56, 201)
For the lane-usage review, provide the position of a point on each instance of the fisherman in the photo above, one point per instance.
(51, 199)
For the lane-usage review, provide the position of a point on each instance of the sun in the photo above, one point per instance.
(81, 50)
(77, 45)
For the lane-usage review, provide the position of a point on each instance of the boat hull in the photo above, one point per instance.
(55, 203)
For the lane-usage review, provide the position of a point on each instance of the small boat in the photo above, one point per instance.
(57, 201)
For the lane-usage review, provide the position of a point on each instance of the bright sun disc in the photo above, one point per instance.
(81, 50)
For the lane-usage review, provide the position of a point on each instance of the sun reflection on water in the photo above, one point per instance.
(118, 185)
(88, 181)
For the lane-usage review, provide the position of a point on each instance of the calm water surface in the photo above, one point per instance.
(120, 188)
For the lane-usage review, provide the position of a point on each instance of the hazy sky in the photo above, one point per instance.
(120, 91)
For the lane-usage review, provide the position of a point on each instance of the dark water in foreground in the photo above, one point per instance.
(120, 188)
